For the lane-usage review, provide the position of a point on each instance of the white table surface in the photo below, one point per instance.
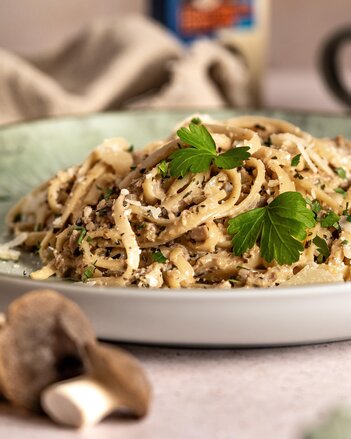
(219, 394)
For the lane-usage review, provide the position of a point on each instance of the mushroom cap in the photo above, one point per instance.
(41, 343)
(122, 375)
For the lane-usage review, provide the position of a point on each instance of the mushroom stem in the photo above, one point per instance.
(78, 402)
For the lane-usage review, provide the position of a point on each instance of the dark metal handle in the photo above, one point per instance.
(330, 66)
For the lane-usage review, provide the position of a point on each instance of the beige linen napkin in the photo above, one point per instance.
(122, 63)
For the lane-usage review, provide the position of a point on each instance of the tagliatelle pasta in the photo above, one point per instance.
(119, 219)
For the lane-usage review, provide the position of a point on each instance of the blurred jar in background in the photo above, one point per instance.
(240, 25)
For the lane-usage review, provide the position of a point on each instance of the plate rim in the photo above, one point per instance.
(249, 293)
(250, 110)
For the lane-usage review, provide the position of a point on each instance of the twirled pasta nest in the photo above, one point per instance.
(118, 220)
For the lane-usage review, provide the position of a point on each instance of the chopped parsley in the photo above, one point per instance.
(89, 239)
(241, 267)
(322, 248)
(108, 193)
(330, 219)
(315, 206)
(347, 213)
(341, 191)
(131, 148)
(196, 120)
(88, 273)
(279, 227)
(83, 232)
(163, 168)
(201, 153)
(158, 256)
(233, 281)
(340, 172)
(296, 160)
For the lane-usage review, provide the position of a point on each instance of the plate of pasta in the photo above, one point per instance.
(175, 228)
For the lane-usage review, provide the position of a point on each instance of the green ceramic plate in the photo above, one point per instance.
(33, 151)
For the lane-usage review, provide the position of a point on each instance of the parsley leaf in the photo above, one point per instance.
(232, 158)
(201, 152)
(331, 219)
(341, 172)
(188, 160)
(197, 136)
(196, 120)
(296, 160)
(158, 256)
(322, 247)
(280, 227)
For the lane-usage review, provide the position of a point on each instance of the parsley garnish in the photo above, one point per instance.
(88, 273)
(196, 120)
(341, 173)
(296, 160)
(233, 281)
(315, 206)
(108, 193)
(346, 212)
(158, 256)
(201, 153)
(331, 219)
(163, 168)
(280, 227)
(83, 232)
(131, 148)
(340, 190)
(322, 247)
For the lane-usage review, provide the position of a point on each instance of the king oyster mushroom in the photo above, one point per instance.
(42, 342)
(115, 381)
(44, 339)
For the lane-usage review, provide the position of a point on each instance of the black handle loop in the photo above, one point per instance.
(330, 66)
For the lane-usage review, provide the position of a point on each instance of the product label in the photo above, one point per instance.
(193, 18)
